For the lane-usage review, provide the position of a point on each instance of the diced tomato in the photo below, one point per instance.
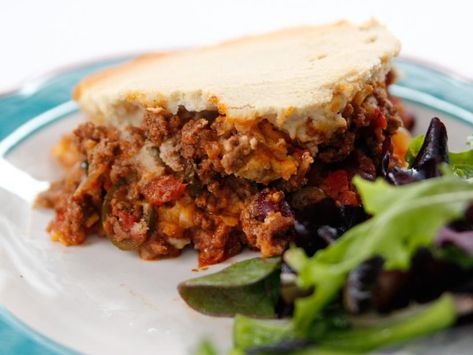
(163, 189)
(379, 119)
(335, 183)
(127, 219)
(60, 215)
(349, 198)
(337, 186)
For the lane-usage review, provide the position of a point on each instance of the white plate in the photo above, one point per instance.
(95, 299)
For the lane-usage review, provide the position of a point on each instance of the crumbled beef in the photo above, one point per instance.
(170, 154)
(219, 186)
(158, 247)
(236, 150)
(368, 124)
(337, 148)
(199, 145)
(300, 178)
(160, 126)
(217, 244)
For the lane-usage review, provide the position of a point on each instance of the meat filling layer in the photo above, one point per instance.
(199, 179)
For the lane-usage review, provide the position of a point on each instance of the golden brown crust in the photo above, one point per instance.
(93, 79)
(284, 77)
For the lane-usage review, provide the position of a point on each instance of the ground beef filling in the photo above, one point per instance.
(197, 179)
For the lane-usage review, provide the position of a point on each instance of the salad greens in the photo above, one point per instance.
(404, 219)
(205, 348)
(439, 315)
(420, 214)
(250, 333)
(249, 287)
(414, 148)
(461, 163)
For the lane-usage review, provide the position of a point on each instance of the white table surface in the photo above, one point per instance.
(40, 36)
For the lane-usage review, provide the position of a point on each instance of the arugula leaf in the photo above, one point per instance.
(404, 219)
(249, 287)
(461, 163)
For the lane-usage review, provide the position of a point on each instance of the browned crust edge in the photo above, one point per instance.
(93, 79)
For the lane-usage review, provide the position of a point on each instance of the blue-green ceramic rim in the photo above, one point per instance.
(41, 102)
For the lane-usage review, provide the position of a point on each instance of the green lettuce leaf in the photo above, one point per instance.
(414, 148)
(248, 332)
(439, 315)
(462, 163)
(402, 326)
(404, 219)
(206, 348)
(249, 287)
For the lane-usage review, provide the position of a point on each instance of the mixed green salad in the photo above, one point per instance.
(401, 269)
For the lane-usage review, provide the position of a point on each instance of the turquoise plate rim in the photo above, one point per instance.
(40, 102)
